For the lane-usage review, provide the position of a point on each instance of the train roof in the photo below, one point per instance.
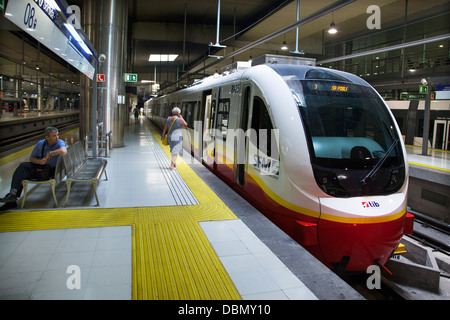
(289, 68)
(289, 72)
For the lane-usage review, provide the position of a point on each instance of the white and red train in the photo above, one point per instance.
(315, 150)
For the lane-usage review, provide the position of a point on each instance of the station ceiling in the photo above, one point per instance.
(158, 27)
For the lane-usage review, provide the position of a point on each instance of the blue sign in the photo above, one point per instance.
(49, 23)
(443, 87)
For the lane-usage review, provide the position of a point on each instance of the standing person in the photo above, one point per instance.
(175, 136)
(136, 115)
(46, 152)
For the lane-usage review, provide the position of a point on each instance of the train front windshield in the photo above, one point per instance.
(355, 149)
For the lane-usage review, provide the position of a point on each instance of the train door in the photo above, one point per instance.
(441, 134)
(241, 143)
(208, 127)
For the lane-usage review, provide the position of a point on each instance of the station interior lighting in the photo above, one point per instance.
(162, 57)
(332, 29)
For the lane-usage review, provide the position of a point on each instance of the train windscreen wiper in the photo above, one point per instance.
(379, 163)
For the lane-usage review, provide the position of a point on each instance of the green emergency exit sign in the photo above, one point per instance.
(423, 89)
(2, 5)
(131, 77)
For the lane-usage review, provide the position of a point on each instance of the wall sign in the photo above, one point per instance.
(47, 22)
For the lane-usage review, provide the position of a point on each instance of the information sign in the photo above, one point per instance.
(48, 23)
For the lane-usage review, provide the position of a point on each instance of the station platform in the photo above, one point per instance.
(436, 159)
(429, 183)
(157, 235)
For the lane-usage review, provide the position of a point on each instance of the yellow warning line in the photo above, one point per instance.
(430, 167)
(172, 257)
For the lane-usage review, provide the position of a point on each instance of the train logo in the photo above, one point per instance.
(266, 166)
(370, 204)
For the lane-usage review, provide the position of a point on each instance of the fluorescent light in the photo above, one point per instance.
(73, 32)
(162, 57)
(147, 81)
(77, 37)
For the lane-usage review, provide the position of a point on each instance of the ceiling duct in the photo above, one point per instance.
(276, 59)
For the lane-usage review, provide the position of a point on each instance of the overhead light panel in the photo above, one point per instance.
(162, 57)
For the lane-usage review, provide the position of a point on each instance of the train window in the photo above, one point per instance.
(350, 129)
(263, 127)
(188, 115)
(222, 119)
(196, 113)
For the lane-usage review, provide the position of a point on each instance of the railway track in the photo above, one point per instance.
(429, 233)
(22, 132)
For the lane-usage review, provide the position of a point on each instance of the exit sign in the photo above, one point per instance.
(131, 77)
(423, 89)
(2, 5)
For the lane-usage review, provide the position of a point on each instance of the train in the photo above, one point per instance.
(316, 150)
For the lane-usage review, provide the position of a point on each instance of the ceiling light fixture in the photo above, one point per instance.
(333, 28)
(284, 47)
(162, 57)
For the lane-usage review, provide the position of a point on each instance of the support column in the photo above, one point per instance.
(105, 23)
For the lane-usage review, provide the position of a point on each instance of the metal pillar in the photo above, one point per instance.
(112, 34)
(426, 120)
(105, 23)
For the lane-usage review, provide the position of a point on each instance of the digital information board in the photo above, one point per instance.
(49, 23)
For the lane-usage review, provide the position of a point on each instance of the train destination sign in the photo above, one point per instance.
(49, 23)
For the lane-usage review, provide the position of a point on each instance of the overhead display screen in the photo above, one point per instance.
(48, 22)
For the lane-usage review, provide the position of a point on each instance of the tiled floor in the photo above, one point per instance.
(256, 272)
(35, 264)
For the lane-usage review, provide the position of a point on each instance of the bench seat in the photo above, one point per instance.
(58, 177)
(81, 169)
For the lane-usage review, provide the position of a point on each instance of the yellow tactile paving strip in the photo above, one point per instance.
(172, 258)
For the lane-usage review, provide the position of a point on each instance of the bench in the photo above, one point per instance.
(59, 176)
(79, 169)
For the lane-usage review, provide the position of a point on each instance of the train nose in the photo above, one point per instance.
(356, 246)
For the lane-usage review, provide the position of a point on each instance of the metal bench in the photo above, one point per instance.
(79, 168)
(59, 176)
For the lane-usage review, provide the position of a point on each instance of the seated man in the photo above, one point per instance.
(45, 152)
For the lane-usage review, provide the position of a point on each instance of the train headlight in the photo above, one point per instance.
(329, 183)
(395, 181)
